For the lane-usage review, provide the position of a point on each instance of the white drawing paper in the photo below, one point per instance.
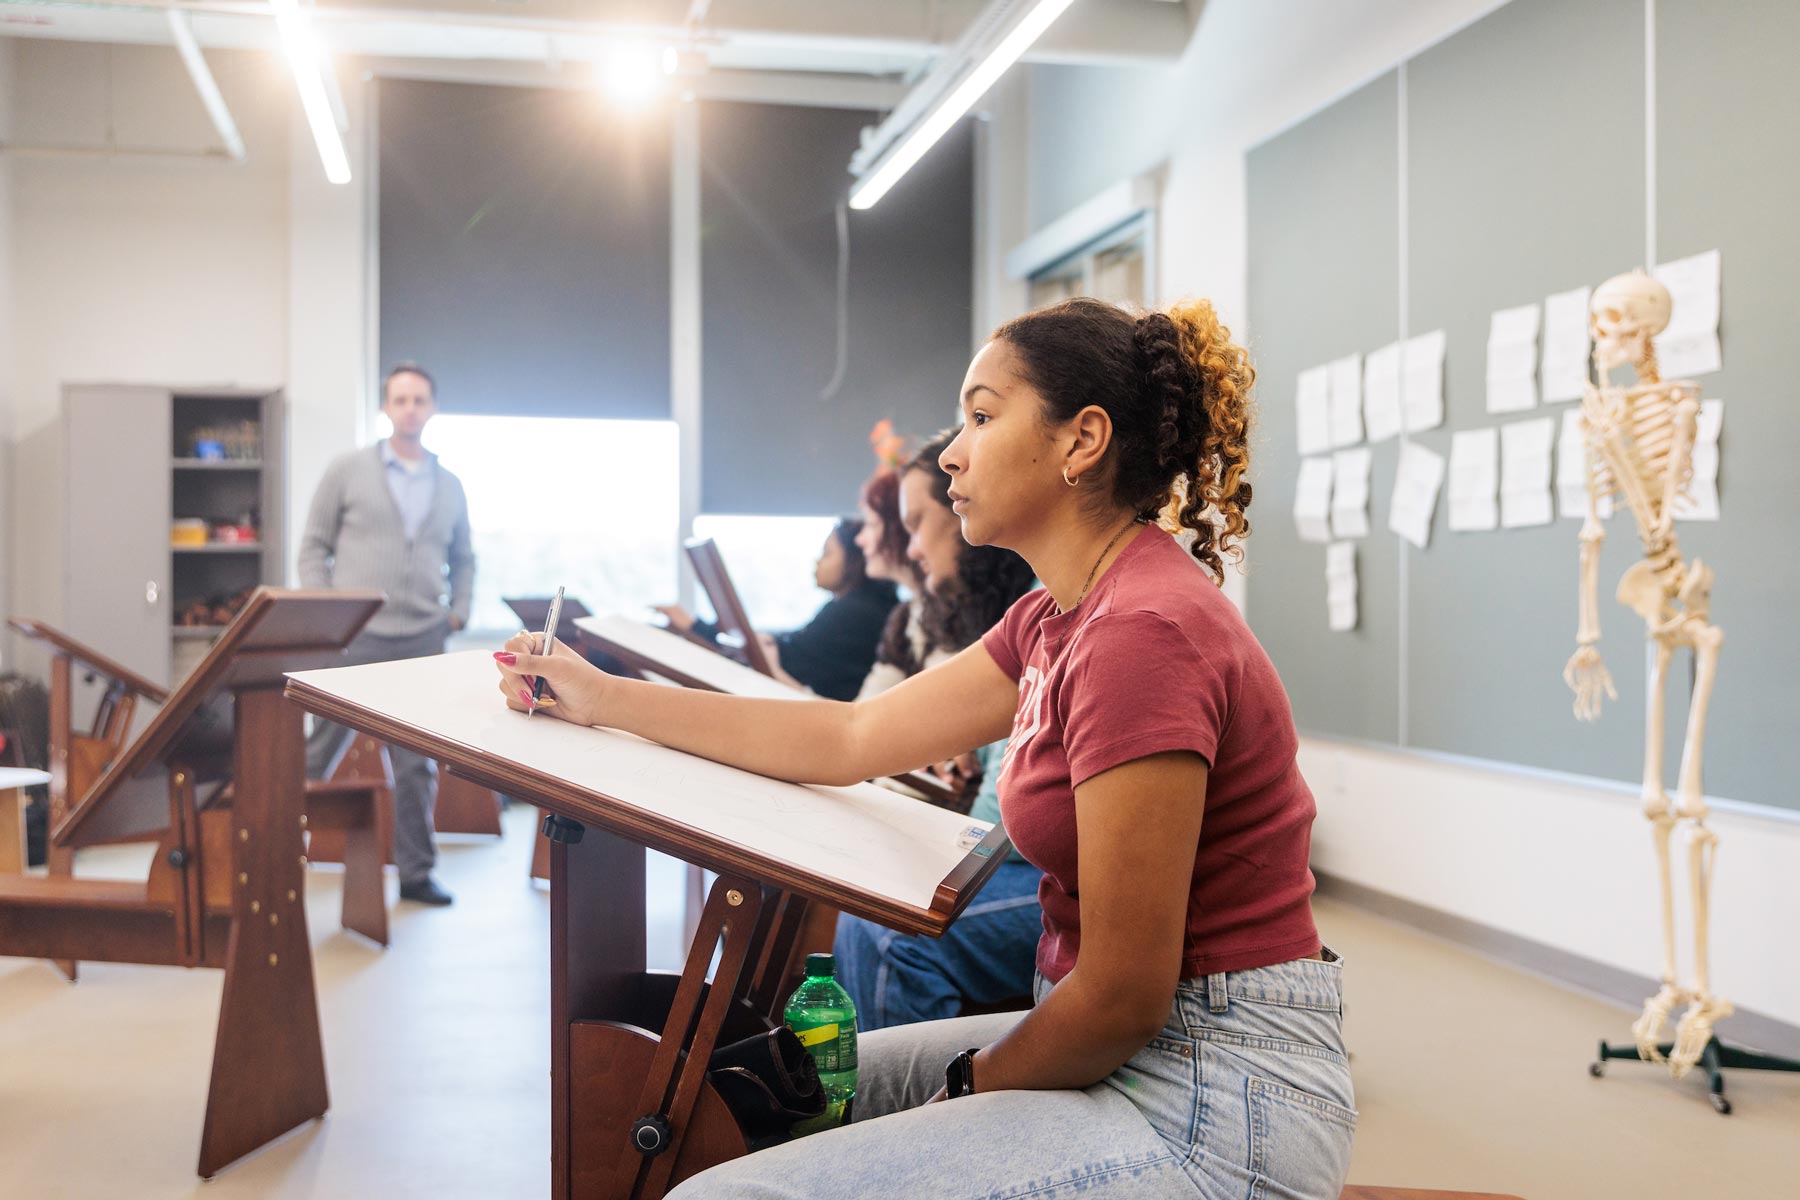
(1512, 359)
(1340, 586)
(866, 836)
(1345, 388)
(1566, 346)
(1417, 479)
(1381, 393)
(1422, 381)
(1525, 468)
(1312, 500)
(1474, 479)
(1690, 345)
(686, 658)
(1312, 402)
(1350, 492)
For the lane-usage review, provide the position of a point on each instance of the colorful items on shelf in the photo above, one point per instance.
(214, 610)
(192, 531)
(240, 440)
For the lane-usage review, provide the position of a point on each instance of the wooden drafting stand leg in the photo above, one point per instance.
(632, 1111)
(268, 1072)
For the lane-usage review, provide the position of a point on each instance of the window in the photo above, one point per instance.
(771, 562)
(597, 515)
(1115, 268)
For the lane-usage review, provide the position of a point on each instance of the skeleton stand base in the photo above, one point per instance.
(1714, 1060)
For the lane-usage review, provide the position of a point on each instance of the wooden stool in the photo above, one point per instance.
(13, 782)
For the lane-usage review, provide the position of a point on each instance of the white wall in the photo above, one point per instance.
(1559, 862)
(169, 268)
(6, 336)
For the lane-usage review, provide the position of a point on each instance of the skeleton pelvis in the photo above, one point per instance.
(1641, 591)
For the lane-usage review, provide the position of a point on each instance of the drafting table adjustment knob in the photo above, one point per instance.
(650, 1135)
(562, 830)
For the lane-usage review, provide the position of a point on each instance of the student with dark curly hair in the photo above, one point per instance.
(987, 956)
(1186, 1038)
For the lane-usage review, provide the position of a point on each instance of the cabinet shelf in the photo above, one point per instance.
(195, 633)
(221, 548)
(218, 464)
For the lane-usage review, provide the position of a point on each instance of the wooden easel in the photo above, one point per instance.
(227, 886)
(462, 807)
(709, 568)
(345, 811)
(632, 1112)
(659, 652)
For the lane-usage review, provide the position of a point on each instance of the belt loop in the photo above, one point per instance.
(1216, 998)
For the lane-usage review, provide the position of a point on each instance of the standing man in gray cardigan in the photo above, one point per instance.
(389, 517)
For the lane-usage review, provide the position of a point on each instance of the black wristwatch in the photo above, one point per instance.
(959, 1075)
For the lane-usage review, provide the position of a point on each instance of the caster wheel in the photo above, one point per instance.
(1721, 1103)
(1596, 1069)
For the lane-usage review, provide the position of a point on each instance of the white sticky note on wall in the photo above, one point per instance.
(1345, 383)
(1474, 479)
(1312, 404)
(1381, 393)
(1417, 480)
(1312, 500)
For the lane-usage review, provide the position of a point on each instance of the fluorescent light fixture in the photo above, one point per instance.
(202, 75)
(899, 157)
(305, 58)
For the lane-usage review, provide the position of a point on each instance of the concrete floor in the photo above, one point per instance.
(1469, 1074)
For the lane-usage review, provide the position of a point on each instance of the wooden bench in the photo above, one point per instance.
(341, 810)
(226, 887)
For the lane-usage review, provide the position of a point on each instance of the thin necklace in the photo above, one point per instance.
(1096, 568)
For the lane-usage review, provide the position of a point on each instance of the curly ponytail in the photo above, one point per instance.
(1210, 492)
(1177, 389)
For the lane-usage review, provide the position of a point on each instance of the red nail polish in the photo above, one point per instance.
(525, 695)
(502, 656)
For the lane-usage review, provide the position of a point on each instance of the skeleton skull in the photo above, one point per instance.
(1626, 312)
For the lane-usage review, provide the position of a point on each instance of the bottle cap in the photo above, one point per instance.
(821, 964)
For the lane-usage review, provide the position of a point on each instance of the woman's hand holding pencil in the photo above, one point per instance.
(574, 689)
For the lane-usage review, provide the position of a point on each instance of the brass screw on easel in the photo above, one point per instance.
(734, 897)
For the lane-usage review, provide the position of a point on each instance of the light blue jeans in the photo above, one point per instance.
(1245, 1093)
(987, 956)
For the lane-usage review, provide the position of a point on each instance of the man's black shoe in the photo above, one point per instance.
(426, 891)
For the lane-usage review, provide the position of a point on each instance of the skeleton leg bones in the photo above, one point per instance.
(1648, 1028)
(1704, 1009)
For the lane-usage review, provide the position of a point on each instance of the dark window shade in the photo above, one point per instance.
(525, 248)
(772, 177)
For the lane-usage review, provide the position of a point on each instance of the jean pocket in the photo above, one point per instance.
(1299, 1142)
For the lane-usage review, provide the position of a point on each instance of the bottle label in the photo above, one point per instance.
(818, 1033)
(832, 1046)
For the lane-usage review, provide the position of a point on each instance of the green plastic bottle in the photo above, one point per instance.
(823, 1017)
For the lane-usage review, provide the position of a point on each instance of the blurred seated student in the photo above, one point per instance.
(830, 654)
(990, 953)
(903, 650)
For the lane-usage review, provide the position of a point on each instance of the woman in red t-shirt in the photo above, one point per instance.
(1186, 1038)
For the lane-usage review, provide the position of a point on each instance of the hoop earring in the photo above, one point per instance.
(1075, 482)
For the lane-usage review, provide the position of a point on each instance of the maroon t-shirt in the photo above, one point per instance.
(1157, 659)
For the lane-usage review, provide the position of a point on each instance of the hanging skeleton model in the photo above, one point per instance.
(1640, 441)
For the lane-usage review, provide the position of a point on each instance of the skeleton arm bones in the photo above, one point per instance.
(1586, 673)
